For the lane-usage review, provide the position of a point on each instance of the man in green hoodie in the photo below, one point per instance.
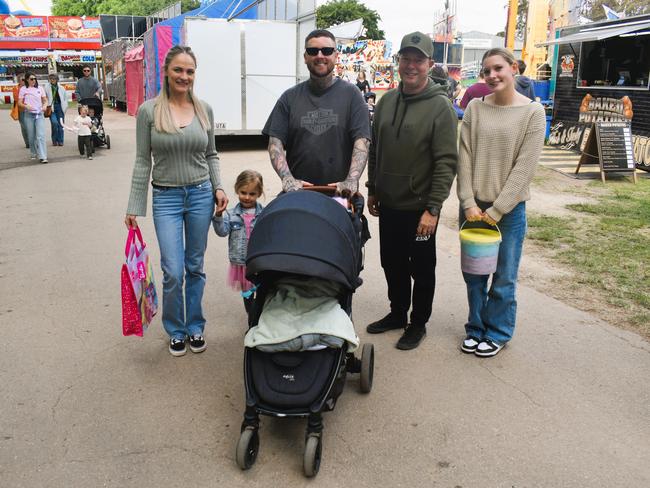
(412, 163)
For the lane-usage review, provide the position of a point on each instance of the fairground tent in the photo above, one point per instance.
(134, 79)
(162, 36)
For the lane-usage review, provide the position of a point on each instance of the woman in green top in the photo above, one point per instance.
(175, 148)
(501, 139)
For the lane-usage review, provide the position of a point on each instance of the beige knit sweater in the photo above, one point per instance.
(499, 151)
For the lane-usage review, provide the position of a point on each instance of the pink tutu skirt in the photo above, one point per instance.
(237, 278)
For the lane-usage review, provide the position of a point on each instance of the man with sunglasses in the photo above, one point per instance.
(319, 130)
(88, 86)
(412, 164)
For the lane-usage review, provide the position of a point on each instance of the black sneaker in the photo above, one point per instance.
(412, 337)
(389, 322)
(488, 348)
(469, 345)
(177, 347)
(197, 343)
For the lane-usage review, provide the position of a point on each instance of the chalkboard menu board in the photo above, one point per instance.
(615, 146)
(608, 144)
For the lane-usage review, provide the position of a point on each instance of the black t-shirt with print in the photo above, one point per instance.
(318, 130)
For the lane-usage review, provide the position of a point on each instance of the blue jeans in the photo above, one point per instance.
(22, 118)
(492, 313)
(36, 132)
(56, 119)
(182, 217)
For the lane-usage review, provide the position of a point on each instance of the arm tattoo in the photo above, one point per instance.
(357, 165)
(280, 165)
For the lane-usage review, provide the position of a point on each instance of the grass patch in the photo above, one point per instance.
(607, 245)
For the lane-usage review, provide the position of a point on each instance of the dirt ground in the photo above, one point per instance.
(551, 192)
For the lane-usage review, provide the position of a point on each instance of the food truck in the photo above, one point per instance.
(601, 75)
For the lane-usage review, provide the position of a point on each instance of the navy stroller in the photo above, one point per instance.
(96, 112)
(303, 233)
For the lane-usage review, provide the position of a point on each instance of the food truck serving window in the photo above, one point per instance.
(617, 62)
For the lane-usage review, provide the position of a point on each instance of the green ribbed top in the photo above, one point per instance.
(186, 158)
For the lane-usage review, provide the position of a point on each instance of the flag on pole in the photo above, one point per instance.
(611, 14)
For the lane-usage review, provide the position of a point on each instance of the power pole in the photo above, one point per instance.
(511, 26)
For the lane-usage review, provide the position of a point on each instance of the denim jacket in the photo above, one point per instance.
(231, 224)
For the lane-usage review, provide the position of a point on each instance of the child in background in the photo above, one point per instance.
(83, 125)
(237, 223)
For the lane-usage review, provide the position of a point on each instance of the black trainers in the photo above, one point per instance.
(177, 347)
(197, 343)
(389, 322)
(488, 348)
(469, 345)
(413, 335)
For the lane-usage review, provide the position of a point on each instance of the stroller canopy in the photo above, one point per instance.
(95, 104)
(306, 233)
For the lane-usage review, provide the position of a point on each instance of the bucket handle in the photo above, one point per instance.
(495, 226)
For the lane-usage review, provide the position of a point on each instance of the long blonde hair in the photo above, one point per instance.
(163, 120)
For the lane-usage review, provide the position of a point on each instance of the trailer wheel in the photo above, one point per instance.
(367, 368)
(247, 447)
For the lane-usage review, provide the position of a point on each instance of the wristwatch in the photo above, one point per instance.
(435, 211)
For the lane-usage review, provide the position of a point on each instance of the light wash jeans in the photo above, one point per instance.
(493, 312)
(56, 119)
(182, 217)
(36, 133)
(22, 118)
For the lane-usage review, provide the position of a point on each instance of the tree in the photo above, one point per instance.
(116, 7)
(338, 11)
(593, 9)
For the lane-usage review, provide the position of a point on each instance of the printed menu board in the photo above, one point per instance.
(39, 32)
(74, 28)
(23, 32)
(615, 146)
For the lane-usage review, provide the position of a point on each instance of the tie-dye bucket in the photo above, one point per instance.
(479, 249)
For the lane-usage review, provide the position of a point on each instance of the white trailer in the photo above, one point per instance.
(243, 68)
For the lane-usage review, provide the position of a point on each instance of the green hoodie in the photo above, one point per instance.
(413, 153)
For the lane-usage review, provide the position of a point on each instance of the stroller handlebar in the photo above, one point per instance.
(355, 200)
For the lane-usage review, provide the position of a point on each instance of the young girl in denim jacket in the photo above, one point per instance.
(237, 223)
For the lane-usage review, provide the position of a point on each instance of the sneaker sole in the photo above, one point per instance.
(487, 354)
(468, 350)
(408, 347)
(197, 350)
(177, 353)
(370, 330)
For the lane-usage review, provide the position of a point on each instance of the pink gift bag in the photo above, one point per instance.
(139, 298)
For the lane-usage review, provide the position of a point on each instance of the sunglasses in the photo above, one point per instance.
(86, 71)
(313, 51)
(32, 79)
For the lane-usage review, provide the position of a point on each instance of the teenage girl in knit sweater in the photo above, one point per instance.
(502, 135)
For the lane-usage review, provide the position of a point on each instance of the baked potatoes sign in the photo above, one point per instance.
(40, 32)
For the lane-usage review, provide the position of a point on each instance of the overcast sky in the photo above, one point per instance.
(399, 17)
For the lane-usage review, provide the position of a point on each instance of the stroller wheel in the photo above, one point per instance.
(247, 447)
(108, 141)
(367, 368)
(311, 458)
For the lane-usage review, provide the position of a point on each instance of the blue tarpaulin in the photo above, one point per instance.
(162, 36)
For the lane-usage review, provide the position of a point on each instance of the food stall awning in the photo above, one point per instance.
(598, 33)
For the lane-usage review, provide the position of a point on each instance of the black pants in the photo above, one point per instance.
(404, 256)
(85, 142)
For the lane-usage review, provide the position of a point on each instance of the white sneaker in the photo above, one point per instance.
(488, 348)
(469, 345)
